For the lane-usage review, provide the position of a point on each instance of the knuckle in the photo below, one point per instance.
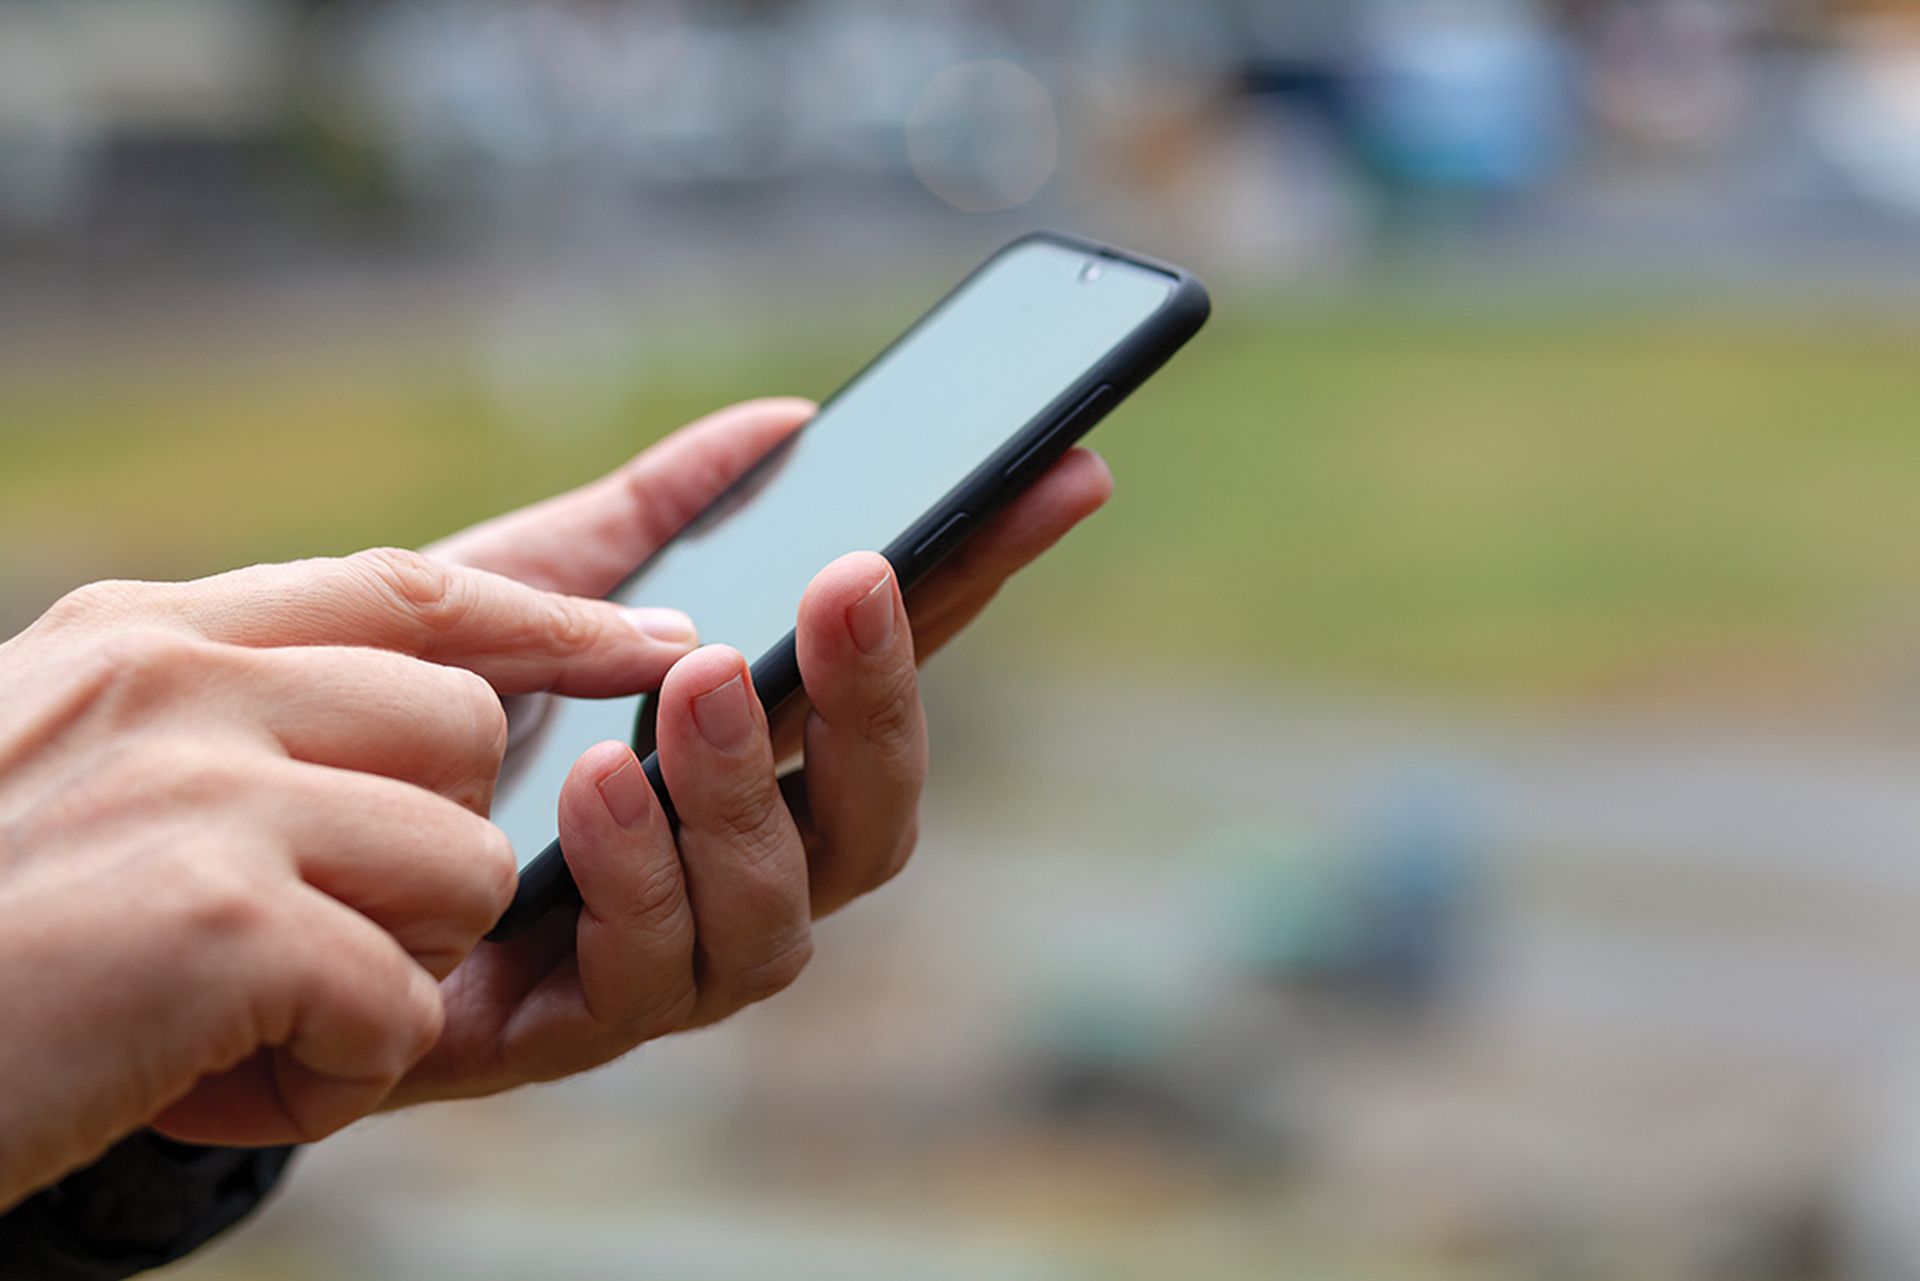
(133, 670)
(776, 974)
(658, 898)
(158, 782)
(419, 585)
(748, 813)
(892, 721)
(424, 1018)
(200, 776)
(415, 578)
(668, 1005)
(671, 1009)
(96, 603)
(497, 872)
(469, 891)
(441, 960)
(572, 627)
(468, 725)
(472, 794)
(218, 903)
(489, 714)
(151, 651)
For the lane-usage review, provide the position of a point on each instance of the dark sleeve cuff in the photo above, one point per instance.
(146, 1203)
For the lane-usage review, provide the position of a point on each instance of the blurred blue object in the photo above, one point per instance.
(1418, 860)
(1471, 97)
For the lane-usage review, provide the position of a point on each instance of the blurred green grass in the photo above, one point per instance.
(1524, 497)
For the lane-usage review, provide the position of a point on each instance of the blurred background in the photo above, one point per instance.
(1454, 816)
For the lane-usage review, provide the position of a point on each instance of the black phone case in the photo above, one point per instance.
(546, 882)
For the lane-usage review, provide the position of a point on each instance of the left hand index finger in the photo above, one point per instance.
(520, 639)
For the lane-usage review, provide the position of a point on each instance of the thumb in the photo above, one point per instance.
(590, 538)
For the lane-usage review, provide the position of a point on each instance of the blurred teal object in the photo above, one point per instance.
(1378, 909)
(1282, 902)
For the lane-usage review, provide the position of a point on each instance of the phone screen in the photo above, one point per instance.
(883, 453)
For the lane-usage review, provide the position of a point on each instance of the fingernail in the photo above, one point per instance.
(723, 716)
(627, 795)
(870, 618)
(669, 625)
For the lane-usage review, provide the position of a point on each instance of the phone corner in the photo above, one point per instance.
(1191, 305)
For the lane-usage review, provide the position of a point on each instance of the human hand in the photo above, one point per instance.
(243, 834)
(674, 937)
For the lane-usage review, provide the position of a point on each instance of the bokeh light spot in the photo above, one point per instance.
(984, 136)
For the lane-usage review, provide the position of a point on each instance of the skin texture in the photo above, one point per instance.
(244, 863)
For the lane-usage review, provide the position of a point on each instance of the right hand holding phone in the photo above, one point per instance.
(678, 929)
(673, 937)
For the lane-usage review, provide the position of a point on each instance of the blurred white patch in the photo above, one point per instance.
(1863, 107)
(984, 136)
(46, 130)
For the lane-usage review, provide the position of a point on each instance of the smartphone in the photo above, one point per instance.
(950, 423)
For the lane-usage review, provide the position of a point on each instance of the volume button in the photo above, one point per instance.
(943, 540)
(1075, 423)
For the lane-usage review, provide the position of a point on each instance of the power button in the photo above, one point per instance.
(943, 540)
